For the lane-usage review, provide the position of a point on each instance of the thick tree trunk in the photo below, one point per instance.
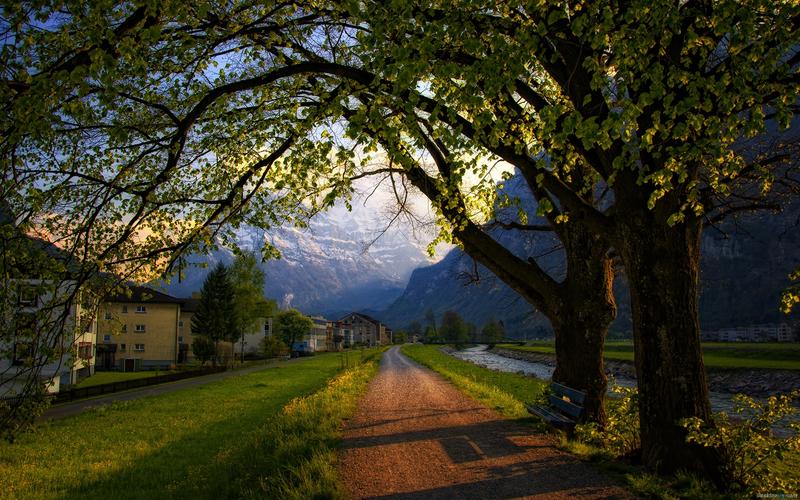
(662, 265)
(581, 323)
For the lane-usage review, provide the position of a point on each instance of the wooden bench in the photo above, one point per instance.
(564, 408)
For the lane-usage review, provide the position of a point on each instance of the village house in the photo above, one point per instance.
(138, 329)
(360, 329)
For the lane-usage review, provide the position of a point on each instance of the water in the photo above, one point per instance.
(481, 357)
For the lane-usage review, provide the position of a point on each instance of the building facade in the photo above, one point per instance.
(45, 317)
(139, 329)
(357, 329)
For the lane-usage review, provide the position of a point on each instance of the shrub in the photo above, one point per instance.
(748, 443)
(620, 436)
(272, 347)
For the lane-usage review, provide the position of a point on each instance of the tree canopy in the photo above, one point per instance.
(291, 325)
(138, 132)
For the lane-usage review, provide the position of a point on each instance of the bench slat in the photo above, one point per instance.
(566, 407)
(574, 395)
(554, 419)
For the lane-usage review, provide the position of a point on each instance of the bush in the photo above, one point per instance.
(620, 436)
(748, 443)
(272, 347)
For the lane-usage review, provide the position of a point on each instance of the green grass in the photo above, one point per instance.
(507, 393)
(270, 434)
(716, 355)
(100, 378)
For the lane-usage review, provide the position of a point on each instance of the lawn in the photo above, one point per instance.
(100, 378)
(716, 355)
(255, 435)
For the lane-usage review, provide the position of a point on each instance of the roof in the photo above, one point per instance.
(363, 316)
(138, 293)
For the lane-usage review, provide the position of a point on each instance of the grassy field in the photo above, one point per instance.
(505, 392)
(258, 435)
(100, 378)
(716, 355)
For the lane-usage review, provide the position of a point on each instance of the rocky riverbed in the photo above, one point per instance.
(758, 383)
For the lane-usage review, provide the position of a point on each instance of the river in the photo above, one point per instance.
(482, 357)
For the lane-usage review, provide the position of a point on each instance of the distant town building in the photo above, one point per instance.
(770, 332)
(360, 329)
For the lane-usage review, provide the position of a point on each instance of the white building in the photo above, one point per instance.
(49, 332)
(250, 342)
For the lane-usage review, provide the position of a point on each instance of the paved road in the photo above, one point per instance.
(416, 436)
(76, 407)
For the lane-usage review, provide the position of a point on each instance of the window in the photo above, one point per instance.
(106, 338)
(124, 328)
(25, 324)
(138, 347)
(124, 309)
(108, 314)
(85, 350)
(180, 338)
(122, 347)
(139, 329)
(180, 323)
(141, 309)
(27, 295)
(23, 352)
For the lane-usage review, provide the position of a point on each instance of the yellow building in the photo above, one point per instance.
(139, 329)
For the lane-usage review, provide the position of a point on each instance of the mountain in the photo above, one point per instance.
(342, 262)
(744, 267)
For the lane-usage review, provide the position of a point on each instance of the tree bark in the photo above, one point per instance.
(581, 323)
(662, 265)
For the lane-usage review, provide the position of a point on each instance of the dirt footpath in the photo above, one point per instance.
(416, 436)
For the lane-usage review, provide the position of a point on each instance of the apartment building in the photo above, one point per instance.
(138, 329)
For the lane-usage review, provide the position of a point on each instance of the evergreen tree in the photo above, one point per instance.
(215, 317)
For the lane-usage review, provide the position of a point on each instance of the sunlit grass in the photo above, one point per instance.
(715, 355)
(219, 440)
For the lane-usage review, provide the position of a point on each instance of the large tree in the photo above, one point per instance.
(627, 118)
(648, 102)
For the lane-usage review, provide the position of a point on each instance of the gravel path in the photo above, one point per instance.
(416, 436)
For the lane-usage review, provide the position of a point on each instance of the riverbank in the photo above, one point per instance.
(758, 383)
